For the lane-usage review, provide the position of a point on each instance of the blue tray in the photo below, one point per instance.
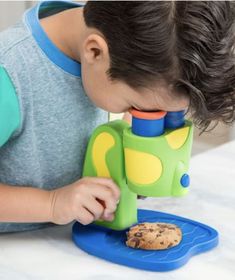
(110, 245)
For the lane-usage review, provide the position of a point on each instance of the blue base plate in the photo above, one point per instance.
(110, 245)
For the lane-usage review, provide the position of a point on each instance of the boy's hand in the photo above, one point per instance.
(86, 200)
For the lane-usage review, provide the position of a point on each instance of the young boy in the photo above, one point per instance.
(64, 66)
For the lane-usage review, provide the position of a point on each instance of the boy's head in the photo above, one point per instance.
(164, 55)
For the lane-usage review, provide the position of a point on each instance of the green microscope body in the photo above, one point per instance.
(149, 158)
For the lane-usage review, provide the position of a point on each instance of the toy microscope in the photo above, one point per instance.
(149, 158)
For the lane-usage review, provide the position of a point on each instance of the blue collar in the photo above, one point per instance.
(53, 53)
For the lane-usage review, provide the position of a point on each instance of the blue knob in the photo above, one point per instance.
(185, 180)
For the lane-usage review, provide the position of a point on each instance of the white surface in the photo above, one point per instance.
(51, 254)
(10, 12)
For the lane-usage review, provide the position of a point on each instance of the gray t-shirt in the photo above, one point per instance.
(56, 118)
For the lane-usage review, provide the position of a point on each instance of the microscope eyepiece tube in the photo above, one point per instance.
(147, 124)
(174, 119)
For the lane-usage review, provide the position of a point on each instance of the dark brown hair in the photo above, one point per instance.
(188, 44)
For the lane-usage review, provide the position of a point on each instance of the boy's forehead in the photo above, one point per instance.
(162, 97)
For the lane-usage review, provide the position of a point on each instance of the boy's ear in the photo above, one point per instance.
(95, 49)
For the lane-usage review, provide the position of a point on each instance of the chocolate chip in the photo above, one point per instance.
(162, 243)
(151, 230)
(138, 234)
(170, 245)
(136, 242)
(161, 231)
(158, 235)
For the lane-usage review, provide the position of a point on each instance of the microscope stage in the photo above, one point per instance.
(110, 245)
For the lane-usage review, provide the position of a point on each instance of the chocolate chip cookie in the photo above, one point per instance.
(154, 236)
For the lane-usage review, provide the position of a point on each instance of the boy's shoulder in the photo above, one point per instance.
(11, 37)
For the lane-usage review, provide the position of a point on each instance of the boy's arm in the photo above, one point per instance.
(17, 204)
(25, 204)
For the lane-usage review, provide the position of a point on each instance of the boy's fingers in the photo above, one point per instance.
(109, 183)
(94, 207)
(106, 182)
(104, 194)
(85, 217)
(109, 217)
